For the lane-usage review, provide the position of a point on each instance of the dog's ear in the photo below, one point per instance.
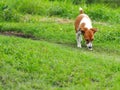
(83, 30)
(94, 30)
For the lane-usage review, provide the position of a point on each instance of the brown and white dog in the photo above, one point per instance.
(83, 25)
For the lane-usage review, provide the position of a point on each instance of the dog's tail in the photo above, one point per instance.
(81, 10)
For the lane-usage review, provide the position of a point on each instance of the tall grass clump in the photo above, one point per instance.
(12, 9)
(32, 7)
(7, 13)
(42, 7)
(60, 9)
(2, 5)
(46, 8)
(102, 12)
(97, 12)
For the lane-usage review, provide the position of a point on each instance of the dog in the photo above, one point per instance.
(83, 26)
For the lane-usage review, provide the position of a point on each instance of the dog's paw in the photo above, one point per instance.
(79, 46)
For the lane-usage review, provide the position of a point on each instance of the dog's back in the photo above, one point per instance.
(82, 18)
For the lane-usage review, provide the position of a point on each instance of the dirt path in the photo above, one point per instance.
(18, 34)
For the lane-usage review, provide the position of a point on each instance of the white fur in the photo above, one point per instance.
(89, 44)
(79, 39)
(87, 21)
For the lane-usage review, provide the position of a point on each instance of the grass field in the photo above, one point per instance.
(53, 61)
(28, 64)
(39, 51)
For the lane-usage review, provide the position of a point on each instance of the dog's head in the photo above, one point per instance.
(88, 36)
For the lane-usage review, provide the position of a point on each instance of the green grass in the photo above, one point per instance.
(50, 59)
(27, 64)
(12, 10)
(63, 32)
(54, 62)
(107, 37)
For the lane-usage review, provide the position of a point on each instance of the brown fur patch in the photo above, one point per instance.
(77, 22)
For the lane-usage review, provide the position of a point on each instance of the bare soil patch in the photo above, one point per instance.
(18, 34)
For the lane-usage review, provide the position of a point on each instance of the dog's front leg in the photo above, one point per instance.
(79, 39)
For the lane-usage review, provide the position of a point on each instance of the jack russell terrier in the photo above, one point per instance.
(83, 25)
